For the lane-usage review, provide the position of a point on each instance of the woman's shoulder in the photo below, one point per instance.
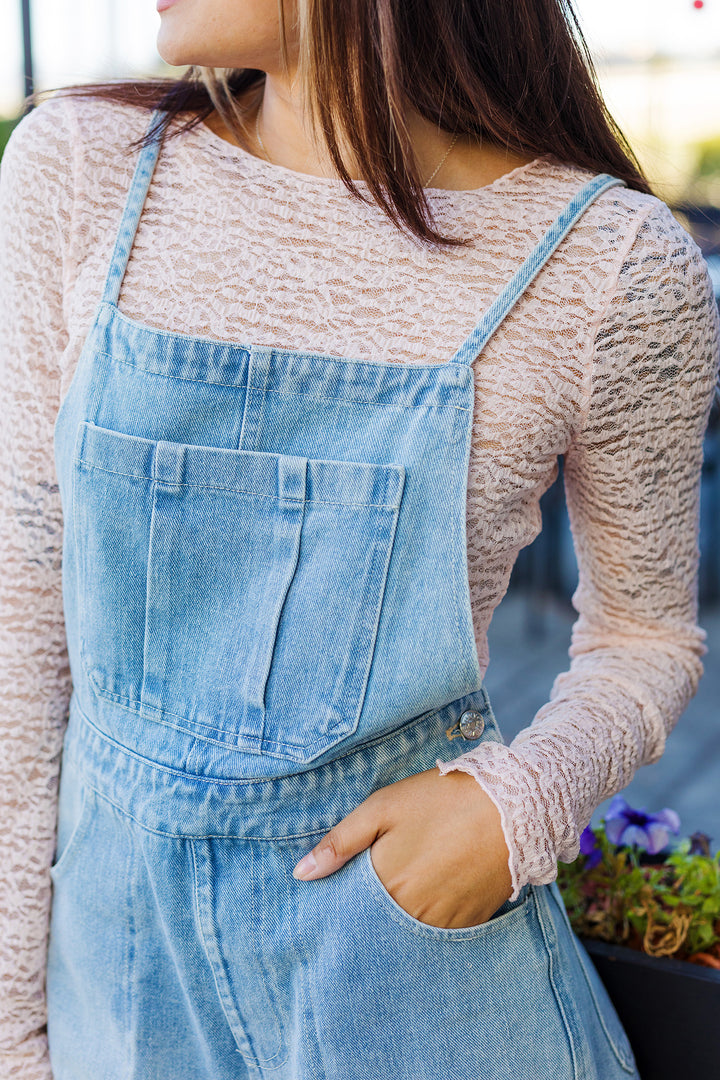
(553, 180)
(65, 135)
(36, 174)
(639, 227)
(39, 145)
(64, 176)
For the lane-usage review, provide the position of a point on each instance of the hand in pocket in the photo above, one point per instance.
(437, 848)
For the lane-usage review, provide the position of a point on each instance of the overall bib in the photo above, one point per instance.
(268, 618)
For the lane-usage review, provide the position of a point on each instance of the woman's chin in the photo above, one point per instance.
(175, 49)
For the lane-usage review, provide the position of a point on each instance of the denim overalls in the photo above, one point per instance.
(268, 617)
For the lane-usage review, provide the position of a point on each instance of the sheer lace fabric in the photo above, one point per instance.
(609, 359)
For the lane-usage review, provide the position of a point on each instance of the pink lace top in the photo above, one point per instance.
(609, 359)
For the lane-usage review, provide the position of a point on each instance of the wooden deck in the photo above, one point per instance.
(528, 647)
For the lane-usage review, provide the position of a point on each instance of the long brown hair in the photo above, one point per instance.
(517, 75)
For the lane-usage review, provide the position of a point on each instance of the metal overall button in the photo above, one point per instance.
(470, 725)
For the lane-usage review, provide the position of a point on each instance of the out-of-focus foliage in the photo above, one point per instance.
(6, 127)
(665, 905)
(708, 158)
(703, 186)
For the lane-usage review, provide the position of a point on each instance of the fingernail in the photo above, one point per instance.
(306, 867)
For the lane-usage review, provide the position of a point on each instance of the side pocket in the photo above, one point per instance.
(508, 918)
(75, 803)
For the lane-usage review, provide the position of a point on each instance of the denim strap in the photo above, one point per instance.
(131, 215)
(475, 343)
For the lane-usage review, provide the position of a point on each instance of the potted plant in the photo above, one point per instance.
(647, 910)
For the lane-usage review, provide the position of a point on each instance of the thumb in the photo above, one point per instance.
(353, 834)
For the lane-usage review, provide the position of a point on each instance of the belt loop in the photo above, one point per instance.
(169, 463)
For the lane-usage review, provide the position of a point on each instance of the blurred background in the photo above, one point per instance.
(658, 65)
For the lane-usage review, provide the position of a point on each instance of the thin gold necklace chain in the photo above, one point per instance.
(432, 176)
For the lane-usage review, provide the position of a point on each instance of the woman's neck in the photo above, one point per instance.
(286, 142)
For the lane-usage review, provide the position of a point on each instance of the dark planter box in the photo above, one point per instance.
(670, 1010)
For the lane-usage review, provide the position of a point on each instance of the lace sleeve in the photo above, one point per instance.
(35, 222)
(632, 477)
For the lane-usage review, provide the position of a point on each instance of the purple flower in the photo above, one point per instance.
(625, 825)
(589, 848)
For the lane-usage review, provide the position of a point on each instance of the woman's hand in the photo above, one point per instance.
(437, 847)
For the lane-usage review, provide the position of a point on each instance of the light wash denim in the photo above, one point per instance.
(268, 618)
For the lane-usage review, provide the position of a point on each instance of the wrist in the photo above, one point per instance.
(487, 823)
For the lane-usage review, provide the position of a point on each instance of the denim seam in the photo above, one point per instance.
(253, 914)
(268, 984)
(262, 391)
(212, 966)
(226, 995)
(454, 558)
(462, 598)
(291, 570)
(130, 995)
(358, 401)
(193, 837)
(147, 615)
(382, 546)
(622, 1058)
(305, 1005)
(127, 703)
(239, 491)
(164, 769)
(358, 361)
(190, 727)
(167, 375)
(295, 354)
(80, 574)
(556, 989)
(281, 393)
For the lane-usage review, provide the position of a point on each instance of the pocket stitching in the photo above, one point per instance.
(285, 749)
(379, 604)
(439, 933)
(79, 830)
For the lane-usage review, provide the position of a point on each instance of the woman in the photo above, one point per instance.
(292, 471)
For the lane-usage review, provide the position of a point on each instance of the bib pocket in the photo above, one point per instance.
(233, 594)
